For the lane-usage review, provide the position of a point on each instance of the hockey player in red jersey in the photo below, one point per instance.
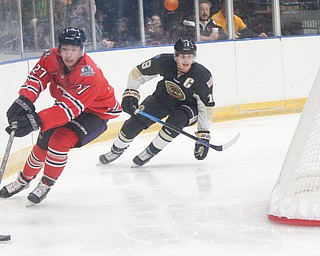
(184, 96)
(84, 102)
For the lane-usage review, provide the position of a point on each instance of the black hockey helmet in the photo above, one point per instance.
(185, 45)
(72, 36)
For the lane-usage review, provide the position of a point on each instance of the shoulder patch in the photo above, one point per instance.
(87, 71)
(210, 82)
(46, 53)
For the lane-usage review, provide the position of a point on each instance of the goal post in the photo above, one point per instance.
(295, 199)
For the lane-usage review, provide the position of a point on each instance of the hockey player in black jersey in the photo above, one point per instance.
(184, 96)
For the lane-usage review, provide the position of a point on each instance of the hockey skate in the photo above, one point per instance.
(112, 155)
(15, 187)
(41, 191)
(143, 157)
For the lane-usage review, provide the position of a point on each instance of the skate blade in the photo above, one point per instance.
(99, 164)
(30, 204)
(135, 165)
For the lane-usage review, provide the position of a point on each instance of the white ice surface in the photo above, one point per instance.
(174, 205)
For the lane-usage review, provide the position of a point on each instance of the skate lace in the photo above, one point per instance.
(145, 155)
(41, 189)
(118, 151)
(113, 155)
(14, 186)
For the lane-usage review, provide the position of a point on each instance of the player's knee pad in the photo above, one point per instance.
(43, 138)
(183, 116)
(180, 117)
(63, 139)
(192, 112)
(87, 126)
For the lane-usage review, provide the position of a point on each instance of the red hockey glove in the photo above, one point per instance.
(130, 99)
(201, 151)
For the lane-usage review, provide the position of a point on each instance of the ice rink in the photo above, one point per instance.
(174, 205)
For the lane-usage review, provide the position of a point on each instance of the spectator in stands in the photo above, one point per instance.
(155, 34)
(209, 30)
(241, 29)
(156, 19)
(80, 17)
(124, 38)
(35, 24)
(62, 12)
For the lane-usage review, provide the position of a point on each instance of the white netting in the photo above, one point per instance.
(296, 194)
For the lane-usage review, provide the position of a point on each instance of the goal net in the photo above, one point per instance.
(295, 199)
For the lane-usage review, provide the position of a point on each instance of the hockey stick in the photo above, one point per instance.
(14, 126)
(203, 142)
(5, 237)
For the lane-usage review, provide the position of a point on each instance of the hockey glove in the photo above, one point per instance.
(130, 101)
(201, 151)
(26, 124)
(20, 106)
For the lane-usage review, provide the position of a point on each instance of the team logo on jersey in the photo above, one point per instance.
(174, 91)
(87, 71)
(46, 53)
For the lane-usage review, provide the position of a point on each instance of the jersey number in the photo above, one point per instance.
(43, 72)
(81, 88)
(146, 64)
(210, 98)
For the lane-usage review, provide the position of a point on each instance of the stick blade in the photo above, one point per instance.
(5, 237)
(231, 142)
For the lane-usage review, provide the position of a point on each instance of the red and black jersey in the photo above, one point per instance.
(84, 89)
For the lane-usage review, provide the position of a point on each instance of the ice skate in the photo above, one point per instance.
(15, 187)
(111, 156)
(143, 157)
(41, 191)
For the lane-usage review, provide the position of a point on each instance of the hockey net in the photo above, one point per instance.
(295, 199)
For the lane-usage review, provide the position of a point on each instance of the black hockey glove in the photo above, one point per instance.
(130, 101)
(26, 124)
(201, 151)
(19, 107)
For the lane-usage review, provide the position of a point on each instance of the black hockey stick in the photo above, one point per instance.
(203, 142)
(5, 158)
(5, 238)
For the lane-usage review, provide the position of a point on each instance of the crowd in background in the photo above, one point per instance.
(116, 23)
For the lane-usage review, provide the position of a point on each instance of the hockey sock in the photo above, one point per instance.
(34, 162)
(121, 141)
(59, 146)
(160, 142)
(55, 162)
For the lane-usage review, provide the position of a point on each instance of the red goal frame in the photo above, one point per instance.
(294, 222)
